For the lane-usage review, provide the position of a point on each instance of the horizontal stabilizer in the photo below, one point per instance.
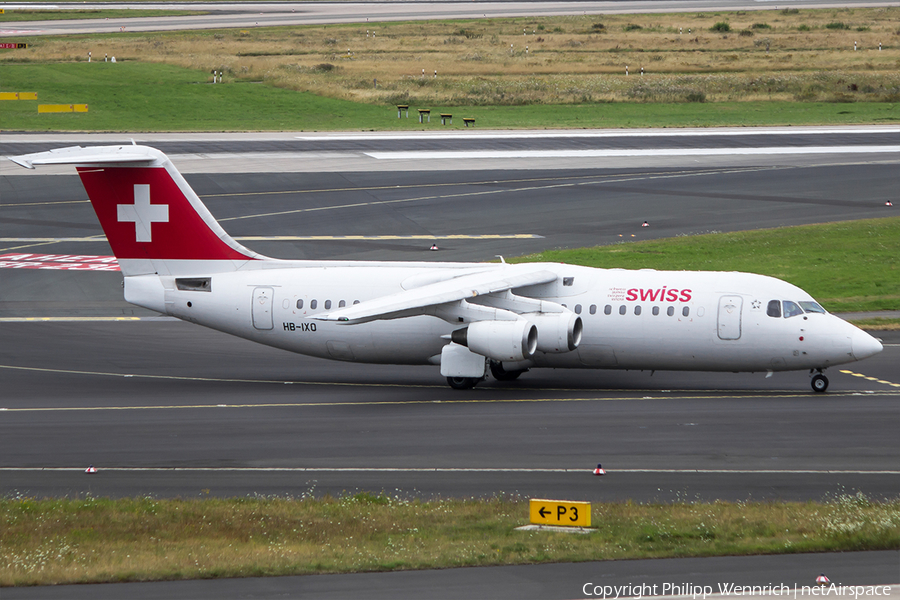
(76, 155)
(154, 221)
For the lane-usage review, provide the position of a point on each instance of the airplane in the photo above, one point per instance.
(470, 319)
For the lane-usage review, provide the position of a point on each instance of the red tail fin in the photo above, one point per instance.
(151, 216)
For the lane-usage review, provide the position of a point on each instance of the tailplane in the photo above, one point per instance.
(154, 221)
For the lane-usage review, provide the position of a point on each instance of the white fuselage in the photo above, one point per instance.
(667, 320)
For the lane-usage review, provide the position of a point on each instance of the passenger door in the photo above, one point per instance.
(262, 308)
(730, 317)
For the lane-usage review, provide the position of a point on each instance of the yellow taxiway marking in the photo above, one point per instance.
(656, 394)
(875, 379)
(297, 238)
(68, 319)
(377, 402)
(50, 202)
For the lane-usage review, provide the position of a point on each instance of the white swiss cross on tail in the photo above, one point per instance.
(142, 213)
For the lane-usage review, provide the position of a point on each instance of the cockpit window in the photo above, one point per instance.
(774, 308)
(791, 309)
(811, 307)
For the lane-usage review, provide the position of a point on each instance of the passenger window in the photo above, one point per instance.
(607, 310)
(655, 311)
(327, 304)
(313, 304)
(356, 302)
(300, 303)
(812, 307)
(637, 309)
(593, 309)
(342, 304)
(791, 309)
(670, 311)
(774, 308)
(622, 309)
(577, 309)
(685, 311)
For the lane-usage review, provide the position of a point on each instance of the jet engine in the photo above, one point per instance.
(557, 332)
(500, 340)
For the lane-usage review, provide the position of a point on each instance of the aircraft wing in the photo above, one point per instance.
(452, 290)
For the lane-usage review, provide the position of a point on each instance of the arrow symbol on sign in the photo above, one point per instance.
(541, 512)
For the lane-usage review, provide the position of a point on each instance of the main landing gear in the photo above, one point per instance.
(497, 370)
(462, 383)
(819, 382)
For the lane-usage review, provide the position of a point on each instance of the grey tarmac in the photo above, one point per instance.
(140, 400)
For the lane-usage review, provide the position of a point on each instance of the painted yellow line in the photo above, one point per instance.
(875, 379)
(293, 238)
(45, 203)
(54, 240)
(657, 394)
(68, 319)
(312, 238)
(379, 402)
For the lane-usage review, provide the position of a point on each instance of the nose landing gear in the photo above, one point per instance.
(819, 382)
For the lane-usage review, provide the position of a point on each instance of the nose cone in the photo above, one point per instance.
(864, 345)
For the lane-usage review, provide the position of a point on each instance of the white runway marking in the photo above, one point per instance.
(630, 153)
(636, 133)
(455, 470)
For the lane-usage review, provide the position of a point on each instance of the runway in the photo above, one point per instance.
(263, 14)
(164, 408)
(236, 419)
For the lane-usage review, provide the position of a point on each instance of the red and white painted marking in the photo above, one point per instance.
(59, 262)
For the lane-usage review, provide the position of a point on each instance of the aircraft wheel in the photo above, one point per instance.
(501, 374)
(462, 383)
(819, 383)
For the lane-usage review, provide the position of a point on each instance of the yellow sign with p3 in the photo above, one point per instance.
(560, 512)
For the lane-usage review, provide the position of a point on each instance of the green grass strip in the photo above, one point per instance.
(848, 266)
(134, 96)
(15, 15)
(877, 324)
(94, 540)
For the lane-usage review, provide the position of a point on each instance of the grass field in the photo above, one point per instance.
(877, 324)
(97, 539)
(702, 69)
(140, 96)
(16, 15)
(849, 266)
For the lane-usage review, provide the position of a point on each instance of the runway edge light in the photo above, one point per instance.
(822, 580)
(599, 470)
(90, 469)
